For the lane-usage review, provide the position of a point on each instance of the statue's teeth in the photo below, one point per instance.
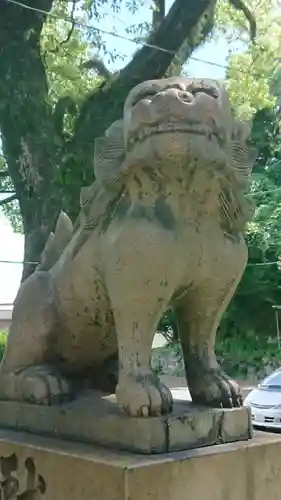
(174, 126)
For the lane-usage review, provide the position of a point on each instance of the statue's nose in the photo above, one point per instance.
(171, 103)
(175, 94)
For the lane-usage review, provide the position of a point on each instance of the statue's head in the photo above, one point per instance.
(172, 120)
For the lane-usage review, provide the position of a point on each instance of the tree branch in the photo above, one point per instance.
(63, 105)
(195, 38)
(68, 36)
(175, 29)
(66, 40)
(105, 105)
(149, 63)
(240, 5)
(8, 200)
(158, 13)
(98, 65)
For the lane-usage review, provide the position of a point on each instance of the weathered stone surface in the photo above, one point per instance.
(235, 425)
(98, 420)
(162, 225)
(50, 469)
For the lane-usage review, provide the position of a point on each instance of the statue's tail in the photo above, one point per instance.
(56, 242)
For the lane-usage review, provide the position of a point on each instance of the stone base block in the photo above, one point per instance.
(40, 468)
(97, 420)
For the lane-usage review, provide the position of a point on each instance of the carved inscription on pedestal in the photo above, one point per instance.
(12, 487)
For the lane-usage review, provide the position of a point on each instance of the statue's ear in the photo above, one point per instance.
(242, 155)
(109, 154)
(242, 158)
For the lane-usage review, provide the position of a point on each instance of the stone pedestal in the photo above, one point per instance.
(96, 419)
(40, 468)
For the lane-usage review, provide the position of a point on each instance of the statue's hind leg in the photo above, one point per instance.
(26, 372)
(199, 315)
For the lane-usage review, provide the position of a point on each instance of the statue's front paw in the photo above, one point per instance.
(212, 387)
(42, 385)
(143, 396)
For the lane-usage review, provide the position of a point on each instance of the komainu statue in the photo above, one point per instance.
(162, 224)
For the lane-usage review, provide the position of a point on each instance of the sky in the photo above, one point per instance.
(12, 244)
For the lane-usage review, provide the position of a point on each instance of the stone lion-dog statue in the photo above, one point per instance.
(161, 225)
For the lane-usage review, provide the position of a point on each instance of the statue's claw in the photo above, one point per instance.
(40, 385)
(212, 387)
(143, 396)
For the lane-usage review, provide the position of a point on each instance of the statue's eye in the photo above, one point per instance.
(145, 93)
(212, 92)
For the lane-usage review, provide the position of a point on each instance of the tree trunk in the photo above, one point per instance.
(30, 143)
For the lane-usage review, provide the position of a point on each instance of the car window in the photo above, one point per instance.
(273, 381)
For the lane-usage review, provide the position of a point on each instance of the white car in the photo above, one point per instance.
(265, 402)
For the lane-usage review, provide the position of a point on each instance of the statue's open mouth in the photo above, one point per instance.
(176, 127)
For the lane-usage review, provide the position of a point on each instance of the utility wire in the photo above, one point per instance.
(18, 262)
(88, 26)
(264, 263)
(254, 193)
(116, 35)
(35, 263)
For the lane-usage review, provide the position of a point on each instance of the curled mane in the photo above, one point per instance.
(109, 155)
(235, 209)
(98, 200)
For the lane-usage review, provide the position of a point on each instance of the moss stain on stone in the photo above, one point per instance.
(164, 214)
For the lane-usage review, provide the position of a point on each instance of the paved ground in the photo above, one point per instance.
(180, 390)
(158, 341)
(178, 384)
